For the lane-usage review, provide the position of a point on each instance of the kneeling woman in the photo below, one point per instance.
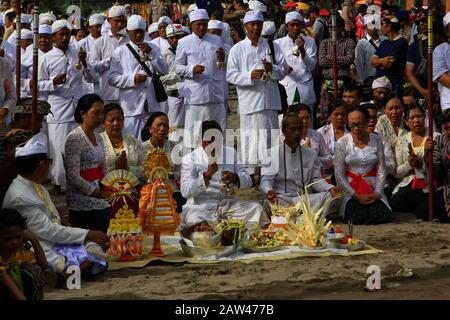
(360, 171)
(411, 193)
(84, 160)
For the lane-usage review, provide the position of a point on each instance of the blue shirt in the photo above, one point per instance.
(398, 49)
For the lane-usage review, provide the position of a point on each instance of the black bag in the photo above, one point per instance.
(160, 92)
(281, 88)
(422, 69)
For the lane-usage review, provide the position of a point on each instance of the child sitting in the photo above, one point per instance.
(21, 269)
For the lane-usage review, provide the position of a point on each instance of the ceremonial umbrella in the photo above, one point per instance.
(360, 2)
(302, 6)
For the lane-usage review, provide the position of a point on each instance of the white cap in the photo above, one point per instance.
(165, 19)
(45, 29)
(59, 24)
(127, 5)
(257, 6)
(25, 18)
(96, 19)
(268, 28)
(36, 145)
(116, 11)
(372, 21)
(382, 82)
(47, 18)
(187, 30)
(174, 30)
(136, 22)
(446, 19)
(251, 16)
(191, 8)
(215, 24)
(198, 14)
(153, 28)
(26, 34)
(293, 15)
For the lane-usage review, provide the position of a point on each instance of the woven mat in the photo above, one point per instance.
(170, 245)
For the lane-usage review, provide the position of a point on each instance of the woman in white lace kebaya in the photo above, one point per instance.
(360, 170)
(84, 162)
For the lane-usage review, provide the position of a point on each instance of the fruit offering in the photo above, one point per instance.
(265, 239)
(124, 222)
(348, 240)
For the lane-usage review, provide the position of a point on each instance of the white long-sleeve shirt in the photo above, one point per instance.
(255, 95)
(162, 44)
(100, 56)
(364, 51)
(298, 172)
(124, 67)
(193, 185)
(301, 76)
(206, 87)
(63, 98)
(26, 72)
(88, 45)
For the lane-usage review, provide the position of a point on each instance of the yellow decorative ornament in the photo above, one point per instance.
(157, 166)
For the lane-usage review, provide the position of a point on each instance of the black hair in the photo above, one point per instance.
(145, 133)
(408, 108)
(391, 96)
(368, 105)
(11, 16)
(353, 87)
(210, 124)
(362, 110)
(409, 91)
(84, 104)
(296, 108)
(11, 217)
(284, 122)
(394, 26)
(111, 107)
(445, 118)
(74, 32)
(218, 14)
(334, 105)
(28, 164)
(362, 8)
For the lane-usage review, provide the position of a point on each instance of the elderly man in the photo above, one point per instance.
(293, 167)
(103, 50)
(207, 174)
(381, 88)
(367, 46)
(161, 40)
(133, 67)
(63, 245)
(300, 54)
(62, 72)
(176, 110)
(256, 71)
(441, 67)
(45, 45)
(199, 60)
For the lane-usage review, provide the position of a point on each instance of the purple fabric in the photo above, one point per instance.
(76, 254)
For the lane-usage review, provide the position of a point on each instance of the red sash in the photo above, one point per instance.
(93, 174)
(418, 184)
(359, 184)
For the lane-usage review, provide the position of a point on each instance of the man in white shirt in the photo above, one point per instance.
(441, 67)
(161, 41)
(207, 176)
(300, 54)
(88, 44)
(198, 61)
(103, 50)
(367, 46)
(45, 45)
(62, 72)
(176, 110)
(251, 69)
(63, 245)
(295, 167)
(136, 91)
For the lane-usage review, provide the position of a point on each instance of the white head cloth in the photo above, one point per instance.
(136, 22)
(251, 16)
(60, 24)
(382, 82)
(36, 145)
(198, 14)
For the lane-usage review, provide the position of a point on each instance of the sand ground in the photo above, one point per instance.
(407, 244)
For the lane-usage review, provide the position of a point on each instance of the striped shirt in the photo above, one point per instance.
(345, 57)
(441, 163)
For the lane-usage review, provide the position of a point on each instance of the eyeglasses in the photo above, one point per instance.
(357, 125)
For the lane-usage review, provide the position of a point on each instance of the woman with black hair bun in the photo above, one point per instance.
(85, 165)
(411, 192)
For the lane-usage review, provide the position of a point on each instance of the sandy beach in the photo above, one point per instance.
(422, 247)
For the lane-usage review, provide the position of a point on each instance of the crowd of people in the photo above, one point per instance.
(126, 86)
